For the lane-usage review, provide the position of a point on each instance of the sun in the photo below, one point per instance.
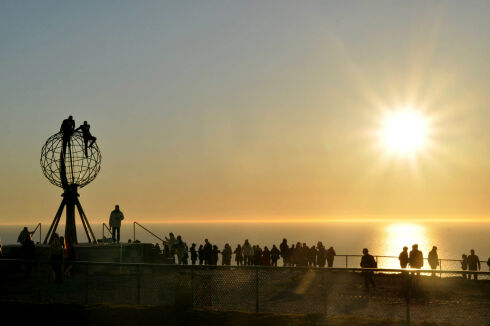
(404, 132)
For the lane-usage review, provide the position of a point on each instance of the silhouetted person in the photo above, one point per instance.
(292, 255)
(180, 249)
(367, 261)
(464, 264)
(226, 255)
(403, 258)
(115, 223)
(28, 254)
(185, 255)
(311, 252)
(214, 255)
(56, 258)
(193, 254)
(257, 255)
(247, 253)
(330, 256)
(298, 255)
(275, 253)
(415, 258)
(67, 129)
(305, 253)
(171, 241)
(433, 259)
(285, 252)
(87, 136)
(473, 264)
(207, 251)
(266, 257)
(238, 255)
(321, 254)
(70, 257)
(24, 235)
(200, 253)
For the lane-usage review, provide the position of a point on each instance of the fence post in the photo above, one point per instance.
(192, 287)
(138, 284)
(408, 295)
(38, 281)
(440, 267)
(256, 289)
(325, 292)
(346, 265)
(86, 283)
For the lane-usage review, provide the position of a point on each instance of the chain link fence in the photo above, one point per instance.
(397, 296)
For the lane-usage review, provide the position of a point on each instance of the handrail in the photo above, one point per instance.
(103, 234)
(40, 231)
(396, 257)
(333, 269)
(141, 226)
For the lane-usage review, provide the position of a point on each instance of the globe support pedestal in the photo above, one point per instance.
(70, 200)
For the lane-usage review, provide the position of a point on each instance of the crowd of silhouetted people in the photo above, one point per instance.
(298, 254)
(62, 254)
(247, 254)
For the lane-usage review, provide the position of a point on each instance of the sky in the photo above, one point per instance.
(248, 110)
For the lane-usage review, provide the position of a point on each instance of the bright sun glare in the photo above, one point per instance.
(404, 132)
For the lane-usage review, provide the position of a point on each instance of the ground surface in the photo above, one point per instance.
(108, 295)
(69, 314)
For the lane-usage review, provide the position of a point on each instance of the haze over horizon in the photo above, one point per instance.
(249, 110)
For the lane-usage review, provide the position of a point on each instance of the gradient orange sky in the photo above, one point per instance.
(248, 110)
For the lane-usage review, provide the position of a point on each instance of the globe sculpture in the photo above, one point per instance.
(70, 162)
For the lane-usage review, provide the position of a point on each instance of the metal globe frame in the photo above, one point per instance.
(66, 165)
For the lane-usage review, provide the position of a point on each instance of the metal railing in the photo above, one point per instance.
(402, 295)
(40, 231)
(105, 227)
(141, 226)
(349, 261)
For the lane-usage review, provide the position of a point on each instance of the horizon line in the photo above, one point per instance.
(294, 221)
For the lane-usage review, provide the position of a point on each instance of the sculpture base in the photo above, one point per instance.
(70, 200)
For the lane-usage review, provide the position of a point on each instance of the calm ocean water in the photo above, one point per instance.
(387, 239)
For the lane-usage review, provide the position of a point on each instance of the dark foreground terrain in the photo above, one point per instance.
(73, 314)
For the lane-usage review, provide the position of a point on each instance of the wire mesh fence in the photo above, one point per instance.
(396, 295)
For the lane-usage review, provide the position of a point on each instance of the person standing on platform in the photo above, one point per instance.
(416, 258)
(24, 235)
(433, 259)
(285, 253)
(200, 253)
(247, 253)
(330, 256)
(473, 264)
(115, 223)
(275, 254)
(367, 261)
(403, 258)
(193, 254)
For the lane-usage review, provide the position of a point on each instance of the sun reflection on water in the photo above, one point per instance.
(399, 235)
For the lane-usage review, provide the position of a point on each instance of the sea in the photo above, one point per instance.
(348, 238)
